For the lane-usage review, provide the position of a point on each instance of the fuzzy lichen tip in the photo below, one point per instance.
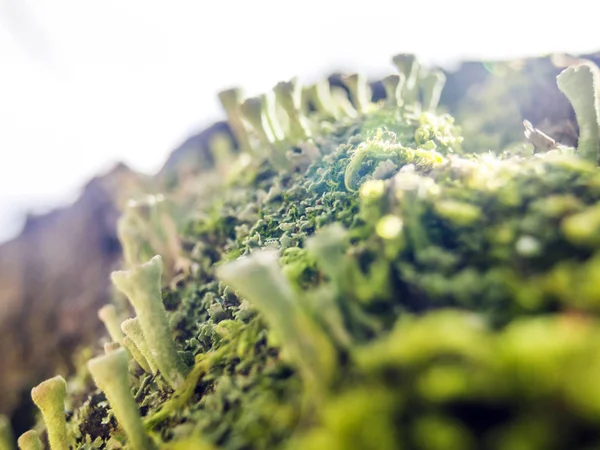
(405, 63)
(110, 373)
(393, 84)
(231, 100)
(259, 279)
(252, 110)
(29, 440)
(342, 103)
(359, 90)
(290, 93)
(131, 238)
(136, 343)
(50, 392)
(246, 276)
(408, 65)
(289, 96)
(106, 368)
(581, 85)
(108, 315)
(271, 115)
(260, 113)
(431, 85)
(139, 358)
(130, 281)
(111, 347)
(320, 95)
(148, 227)
(49, 396)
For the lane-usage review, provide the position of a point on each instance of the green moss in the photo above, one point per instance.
(392, 291)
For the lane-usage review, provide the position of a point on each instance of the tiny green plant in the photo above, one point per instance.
(29, 440)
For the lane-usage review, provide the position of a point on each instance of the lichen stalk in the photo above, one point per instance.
(581, 85)
(136, 343)
(108, 315)
(142, 286)
(110, 373)
(49, 396)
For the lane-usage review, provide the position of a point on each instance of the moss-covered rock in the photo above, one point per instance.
(358, 280)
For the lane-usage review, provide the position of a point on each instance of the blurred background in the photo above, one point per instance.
(86, 85)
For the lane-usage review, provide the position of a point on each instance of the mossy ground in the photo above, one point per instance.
(461, 305)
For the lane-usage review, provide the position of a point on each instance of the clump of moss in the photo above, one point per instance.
(368, 283)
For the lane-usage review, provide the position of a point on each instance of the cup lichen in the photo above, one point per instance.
(409, 67)
(137, 355)
(359, 91)
(109, 317)
(393, 291)
(260, 280)
(231, 99)
(49, 396)
(289, 96)
(393, 85)
(142, 286)
(136, 343)
(29, 440)
(581, 85)
(319, 95)
(110, 373)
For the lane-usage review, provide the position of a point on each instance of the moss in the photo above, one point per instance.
(392, 291)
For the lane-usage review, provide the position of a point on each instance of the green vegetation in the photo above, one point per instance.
(111, 375)
(6, 435)
(49, 396)
(29, 441)
(359, 281)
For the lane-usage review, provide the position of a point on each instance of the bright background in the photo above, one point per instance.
(85, 83)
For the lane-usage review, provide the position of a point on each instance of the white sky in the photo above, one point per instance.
(86, 83)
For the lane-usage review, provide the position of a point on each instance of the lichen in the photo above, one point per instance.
(393, 290)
